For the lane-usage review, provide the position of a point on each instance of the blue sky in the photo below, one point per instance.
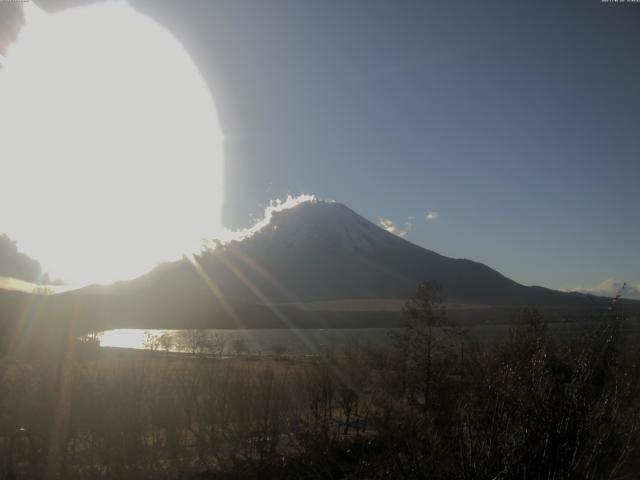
(516, 121)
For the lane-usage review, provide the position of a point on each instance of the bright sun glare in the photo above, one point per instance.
(111, 147)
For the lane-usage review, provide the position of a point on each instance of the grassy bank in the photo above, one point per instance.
(528, 406)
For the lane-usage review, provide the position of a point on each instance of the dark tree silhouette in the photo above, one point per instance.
(16, 264)
(418, 342)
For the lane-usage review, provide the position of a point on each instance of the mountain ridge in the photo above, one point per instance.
(321, 250)
(301, 269)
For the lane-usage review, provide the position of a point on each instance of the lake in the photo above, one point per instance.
(310, 341)
(297, 342)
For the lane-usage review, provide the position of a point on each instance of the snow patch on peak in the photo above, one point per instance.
(306, 218)
(329, 222)
(278, 205)
(275, 206)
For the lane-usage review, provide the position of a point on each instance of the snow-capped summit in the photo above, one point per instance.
(330, 222)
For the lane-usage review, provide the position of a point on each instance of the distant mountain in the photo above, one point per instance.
(318, 264)
(325, 251)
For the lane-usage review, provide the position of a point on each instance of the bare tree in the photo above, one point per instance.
(194, 341)
(218, 343)
(166, 342)
(418, 342)
(151, 341)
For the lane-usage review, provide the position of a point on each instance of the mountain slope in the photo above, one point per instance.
(325, 251)
(306, 267)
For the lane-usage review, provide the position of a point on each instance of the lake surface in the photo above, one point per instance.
(310, 341)
(298, 342)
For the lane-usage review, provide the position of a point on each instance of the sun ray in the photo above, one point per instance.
(265, 301)
(254, 265)
(63, 399)
(217, 293)
(22, 326)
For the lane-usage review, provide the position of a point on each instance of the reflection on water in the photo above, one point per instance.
(310, 341)
(305, 341)
(267, 341)
(126, 337)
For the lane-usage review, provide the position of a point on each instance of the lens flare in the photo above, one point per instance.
(112, 153)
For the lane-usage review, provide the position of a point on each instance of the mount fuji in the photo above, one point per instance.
(315, 264)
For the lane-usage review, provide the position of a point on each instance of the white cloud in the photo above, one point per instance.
(278, 205)
(430, 216)
(610, 288)
(391, 227)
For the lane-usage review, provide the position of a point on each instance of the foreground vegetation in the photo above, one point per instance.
(429, 407)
